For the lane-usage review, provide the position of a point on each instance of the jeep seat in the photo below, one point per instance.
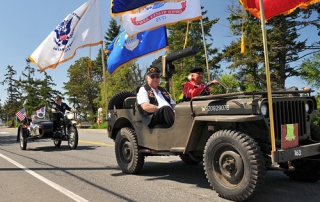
(129, 102)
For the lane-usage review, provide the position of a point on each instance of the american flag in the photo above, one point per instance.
(21, 114)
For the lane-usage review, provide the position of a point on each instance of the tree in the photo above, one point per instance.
(35, 93)
(310, 70)
(14, 95)
(113, 31)
(284, 44)
(85, 89)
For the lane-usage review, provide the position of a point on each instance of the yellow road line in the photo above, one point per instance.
(97, 143)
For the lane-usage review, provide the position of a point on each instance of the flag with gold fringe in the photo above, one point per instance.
(275, 7)
(79, 29)
(119, 7)
(160, 14)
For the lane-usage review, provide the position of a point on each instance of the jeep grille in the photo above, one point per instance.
(288, 112)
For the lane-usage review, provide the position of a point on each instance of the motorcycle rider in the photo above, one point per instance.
(61, 106)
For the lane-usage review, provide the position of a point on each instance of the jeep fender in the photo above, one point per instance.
(200, 122)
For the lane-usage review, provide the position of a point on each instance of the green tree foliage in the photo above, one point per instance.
(36, 93)
(229, 83)
(85, 89)
(310, 70)
(112, 32)
(12, 104)
(284, 44)
(194, 37)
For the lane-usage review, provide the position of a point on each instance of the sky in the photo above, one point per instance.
(26, 23)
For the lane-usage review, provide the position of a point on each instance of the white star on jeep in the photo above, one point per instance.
(109, 115)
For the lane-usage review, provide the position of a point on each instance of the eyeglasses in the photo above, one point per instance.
(57, 100)
(155, 76)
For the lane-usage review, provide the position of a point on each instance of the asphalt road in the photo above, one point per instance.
(90, 173)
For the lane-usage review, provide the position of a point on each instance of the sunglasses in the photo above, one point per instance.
(57, 100)
(155, 76)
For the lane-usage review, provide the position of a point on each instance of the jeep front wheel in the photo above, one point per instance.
(126, 148)
(234, 164)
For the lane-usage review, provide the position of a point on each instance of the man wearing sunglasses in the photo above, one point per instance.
(195, 85)
(61, 105)
(154, 102)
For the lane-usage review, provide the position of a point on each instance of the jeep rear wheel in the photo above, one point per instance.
(188, 160)
(234, 164)
(315, 132)
(126, 148)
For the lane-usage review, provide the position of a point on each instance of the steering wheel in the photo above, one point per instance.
(204, 91)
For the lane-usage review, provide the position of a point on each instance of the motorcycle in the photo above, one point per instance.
(61, 127)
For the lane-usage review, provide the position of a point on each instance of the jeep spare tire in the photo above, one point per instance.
(117, 100)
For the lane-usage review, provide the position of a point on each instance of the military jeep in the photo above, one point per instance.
(229, 133)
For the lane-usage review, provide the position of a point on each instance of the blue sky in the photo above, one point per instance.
(26, 23)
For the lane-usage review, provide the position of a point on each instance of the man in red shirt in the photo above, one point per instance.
(195, 86)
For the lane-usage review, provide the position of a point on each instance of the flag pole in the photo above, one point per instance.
(266, 57)
(205, 50)
(103, 65)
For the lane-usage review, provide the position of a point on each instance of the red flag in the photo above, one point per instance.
(275, 7)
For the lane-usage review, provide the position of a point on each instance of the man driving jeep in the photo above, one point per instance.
(195, 86)
(154, 102)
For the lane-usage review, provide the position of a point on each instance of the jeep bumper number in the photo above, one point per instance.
(297, 152)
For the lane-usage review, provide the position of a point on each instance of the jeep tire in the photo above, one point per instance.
(117, 100)
(126, 148)
(234, 164)
(188, 160)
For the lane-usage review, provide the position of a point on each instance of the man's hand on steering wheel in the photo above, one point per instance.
(212, 83)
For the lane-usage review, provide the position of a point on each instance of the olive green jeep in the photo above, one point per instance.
(230, 133)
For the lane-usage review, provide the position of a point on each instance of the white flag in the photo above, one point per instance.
(79, 29)
(160, 14)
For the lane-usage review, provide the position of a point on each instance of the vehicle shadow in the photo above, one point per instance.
(57, 149)
(277, 186)
(7, 139)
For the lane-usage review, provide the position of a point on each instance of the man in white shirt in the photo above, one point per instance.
(154, 102)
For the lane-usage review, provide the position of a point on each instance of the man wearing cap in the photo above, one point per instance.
(154, 102)
(195, 86)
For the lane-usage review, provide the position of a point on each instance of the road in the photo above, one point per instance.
(90, 173)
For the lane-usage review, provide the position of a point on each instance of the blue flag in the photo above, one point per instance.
(124, 49)
(120, 6)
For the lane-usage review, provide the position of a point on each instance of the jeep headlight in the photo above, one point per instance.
(307, 107)
(70, 116)
(264, 110)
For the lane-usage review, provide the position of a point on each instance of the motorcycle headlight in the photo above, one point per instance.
(264, 110)
(70, 116)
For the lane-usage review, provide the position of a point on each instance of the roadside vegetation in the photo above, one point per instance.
(290, 53)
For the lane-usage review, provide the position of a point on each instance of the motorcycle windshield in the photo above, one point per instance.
(40, 116)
